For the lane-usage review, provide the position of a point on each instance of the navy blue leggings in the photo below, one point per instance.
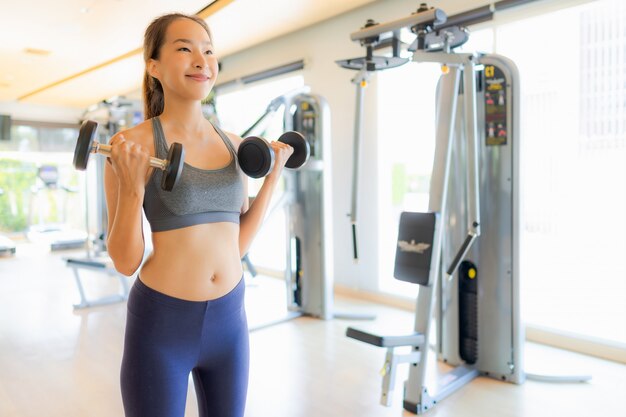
(168, 338)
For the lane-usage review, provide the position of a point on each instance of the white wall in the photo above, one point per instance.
(320, 46)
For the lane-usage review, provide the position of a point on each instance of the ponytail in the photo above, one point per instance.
(153, 97)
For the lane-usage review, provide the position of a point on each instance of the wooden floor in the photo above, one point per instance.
(56, 362)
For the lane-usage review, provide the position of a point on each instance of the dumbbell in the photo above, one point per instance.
(86, 145)
(256, 156)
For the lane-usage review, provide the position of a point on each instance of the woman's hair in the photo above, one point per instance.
(154, 37)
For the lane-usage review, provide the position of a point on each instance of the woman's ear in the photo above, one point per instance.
(153, 68)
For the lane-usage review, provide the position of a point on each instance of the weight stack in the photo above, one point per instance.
(468, 312)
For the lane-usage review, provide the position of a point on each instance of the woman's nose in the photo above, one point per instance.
(201, 62)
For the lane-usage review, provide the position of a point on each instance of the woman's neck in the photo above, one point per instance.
(185, 116)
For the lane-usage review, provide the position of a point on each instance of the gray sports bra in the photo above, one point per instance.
(200, 196)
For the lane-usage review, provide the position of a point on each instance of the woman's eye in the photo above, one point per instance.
(209, 52)
(184, 49)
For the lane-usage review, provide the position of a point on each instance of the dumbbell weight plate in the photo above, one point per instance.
(301, 148)
(86, 136)
(171, 174)
(255, 156)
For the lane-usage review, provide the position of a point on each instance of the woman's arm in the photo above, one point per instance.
(251, 218)
(124, 185)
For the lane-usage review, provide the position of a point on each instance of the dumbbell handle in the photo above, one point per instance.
(103, 149)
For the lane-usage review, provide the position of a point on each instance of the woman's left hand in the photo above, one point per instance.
(282, 152)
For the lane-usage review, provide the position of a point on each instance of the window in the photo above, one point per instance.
(573, 167)
(26, 201)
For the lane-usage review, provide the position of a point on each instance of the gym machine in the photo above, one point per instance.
(57, 234)
(306, 204)
(309, 260)
(464, 252)
(112, 115)
(308, 211)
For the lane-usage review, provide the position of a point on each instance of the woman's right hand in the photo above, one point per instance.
(130, 162)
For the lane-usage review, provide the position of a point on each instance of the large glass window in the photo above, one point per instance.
(573, 166)
(40, 187)
(573, 162)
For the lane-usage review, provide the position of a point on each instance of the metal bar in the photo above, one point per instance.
(290, 254)
(389, 372)
(467, 243)
(389, 379)
(480, 14)
(434, 16)
(106, 150)
(275, 105)
(470, 17)
(471, 133)
(508, 4)
(361, 82)
(83, 300)
(441, 57)
(273, 72)
(457, 378)
(255, 124)
(446, 114)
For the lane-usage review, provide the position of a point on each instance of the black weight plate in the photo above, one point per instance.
(86, 136)
(171, 175)
(301, 148)
(255, 156)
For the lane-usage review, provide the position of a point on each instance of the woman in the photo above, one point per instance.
(185, 311)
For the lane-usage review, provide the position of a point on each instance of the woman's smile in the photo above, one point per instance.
(198, 77)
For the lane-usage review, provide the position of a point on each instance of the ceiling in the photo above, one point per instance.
(75, 53)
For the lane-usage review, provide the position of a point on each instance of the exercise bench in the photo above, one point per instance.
(100, 264)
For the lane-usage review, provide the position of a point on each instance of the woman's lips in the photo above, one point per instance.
(198, 77)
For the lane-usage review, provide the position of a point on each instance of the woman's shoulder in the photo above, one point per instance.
(140, 133)
(234, 138)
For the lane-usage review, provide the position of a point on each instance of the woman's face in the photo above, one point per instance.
(187, 66)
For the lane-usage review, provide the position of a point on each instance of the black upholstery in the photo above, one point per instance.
(412, 339)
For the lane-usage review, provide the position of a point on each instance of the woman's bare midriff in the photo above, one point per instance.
(206, 264)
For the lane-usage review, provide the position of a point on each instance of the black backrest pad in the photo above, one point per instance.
(415, 247)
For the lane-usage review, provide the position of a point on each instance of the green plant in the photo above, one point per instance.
(16, 179)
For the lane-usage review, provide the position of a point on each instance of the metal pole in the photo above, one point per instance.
(361, 82)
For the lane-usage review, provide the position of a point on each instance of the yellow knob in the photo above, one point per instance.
(471, 273)
(445, 69)
(363, 83)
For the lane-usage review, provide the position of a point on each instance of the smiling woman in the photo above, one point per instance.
(153, 90)
(186, 309)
